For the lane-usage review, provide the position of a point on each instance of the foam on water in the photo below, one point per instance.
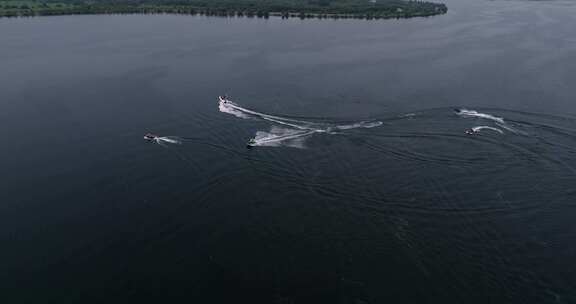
(170, 140)
(480, 128)
(499, 121)
(227, 107)
(277, 137)
(472, 113)
(294, 130)
(513, 130)
(362, 124)
(163, 140)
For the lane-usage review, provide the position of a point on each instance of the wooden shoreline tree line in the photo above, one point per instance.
(420, 9)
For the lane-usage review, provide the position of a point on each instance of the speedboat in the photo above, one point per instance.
(150, 136)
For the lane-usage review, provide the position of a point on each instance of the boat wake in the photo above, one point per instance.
(164, 140)
(480, 128)
(498, 121)
(472, 113)
(362, 124)
(277, 137)
(293, 132)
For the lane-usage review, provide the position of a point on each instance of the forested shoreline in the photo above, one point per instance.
(334, 9)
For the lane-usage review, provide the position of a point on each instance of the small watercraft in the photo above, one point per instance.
(251, 143)
(223, 98)
(150, 136)
(471, 131)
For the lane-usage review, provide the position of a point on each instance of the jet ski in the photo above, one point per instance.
(150, 136)
(223, 98)
(251, 143)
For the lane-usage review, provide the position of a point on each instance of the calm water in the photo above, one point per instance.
(377, 196)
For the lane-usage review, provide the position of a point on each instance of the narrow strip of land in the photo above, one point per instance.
(335, 9)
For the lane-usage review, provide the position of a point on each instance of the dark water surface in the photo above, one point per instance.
(409, 211)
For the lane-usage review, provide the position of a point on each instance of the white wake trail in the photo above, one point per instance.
(362, 124)
(229, 107)
(504, 126)
(168, 140)
(499, 121)
(294, 132)
(480, 128)
(472, 113)
(282, 137)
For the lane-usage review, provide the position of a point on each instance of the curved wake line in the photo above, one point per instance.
(296, 133)
(480, 128)
(234, 109)
(499, 121)
(504, 126)
(472, 113)
(227, 106)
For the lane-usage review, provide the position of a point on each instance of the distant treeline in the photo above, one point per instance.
(362, 9)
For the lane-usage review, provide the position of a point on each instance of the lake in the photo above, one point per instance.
(362, 185)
